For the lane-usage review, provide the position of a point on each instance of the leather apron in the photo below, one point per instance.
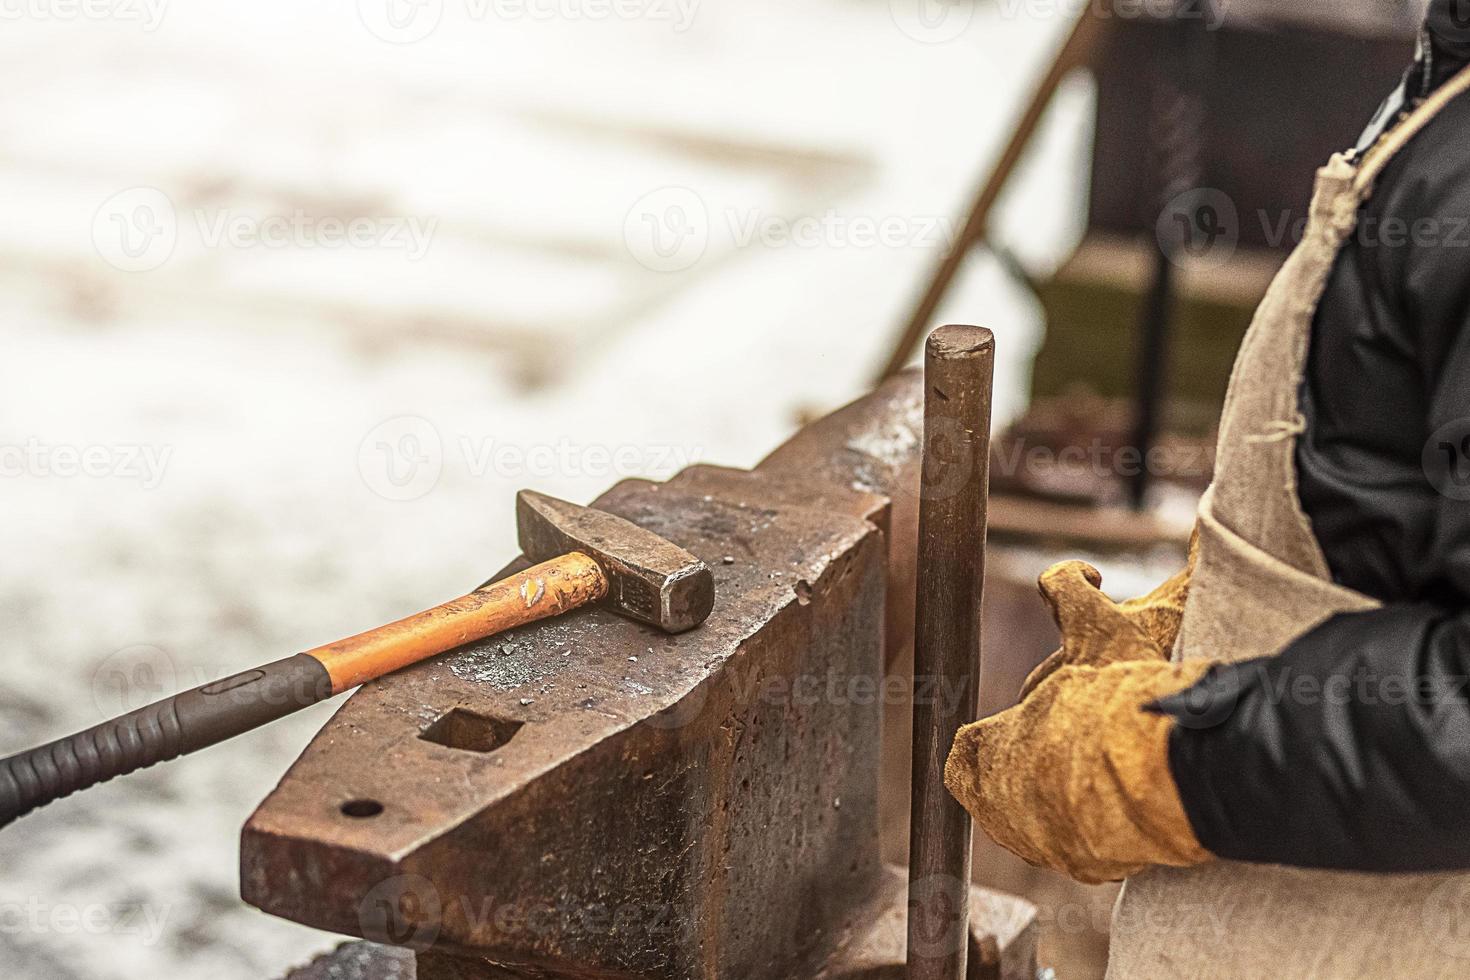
(1262, 581)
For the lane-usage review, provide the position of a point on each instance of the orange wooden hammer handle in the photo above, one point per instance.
(225, 708)
(548, 589)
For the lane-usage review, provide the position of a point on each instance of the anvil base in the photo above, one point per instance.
(1003, 932)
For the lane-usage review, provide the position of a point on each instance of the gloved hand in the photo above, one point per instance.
(1096, 631)
(1161, 611)
(1076, 777)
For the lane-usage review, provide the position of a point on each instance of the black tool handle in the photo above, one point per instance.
(161, 731)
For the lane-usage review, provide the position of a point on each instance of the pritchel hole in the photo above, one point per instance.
(362, 809)
(461, 729)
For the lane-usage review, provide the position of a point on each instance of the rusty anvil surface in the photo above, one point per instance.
(1002, 947)
(587, 797)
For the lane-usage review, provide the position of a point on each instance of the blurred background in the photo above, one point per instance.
(296, 296)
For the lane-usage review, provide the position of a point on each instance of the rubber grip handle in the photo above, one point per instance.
(159, 732)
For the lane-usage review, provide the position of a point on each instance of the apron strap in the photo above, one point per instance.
(1388, 145)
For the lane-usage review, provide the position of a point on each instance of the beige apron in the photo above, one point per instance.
(1262, 581)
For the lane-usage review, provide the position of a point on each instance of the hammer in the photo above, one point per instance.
(585, 556)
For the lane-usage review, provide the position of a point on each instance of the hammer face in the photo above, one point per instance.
(650, 579)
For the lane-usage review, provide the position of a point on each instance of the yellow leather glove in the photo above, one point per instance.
(1076, 777)
(1161, 611)
(1096, 631)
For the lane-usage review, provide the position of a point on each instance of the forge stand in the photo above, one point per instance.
(589, 798)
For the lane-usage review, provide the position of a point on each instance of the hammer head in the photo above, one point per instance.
(649, 578)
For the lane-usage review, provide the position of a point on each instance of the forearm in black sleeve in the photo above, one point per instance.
(1349, 750)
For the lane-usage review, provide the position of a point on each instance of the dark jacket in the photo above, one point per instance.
(1351, 748)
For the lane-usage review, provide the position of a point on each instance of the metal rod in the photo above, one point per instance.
(954, 490)
(1151, 365)
(1177, 137)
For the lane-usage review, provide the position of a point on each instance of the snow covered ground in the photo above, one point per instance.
(295, 297)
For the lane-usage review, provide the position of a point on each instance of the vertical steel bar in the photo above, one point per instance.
(1176, 131)
(959, 364)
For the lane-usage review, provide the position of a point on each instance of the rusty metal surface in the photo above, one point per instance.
(959, 366)
(871, 445)
(692, 806)
(1003, 939)
(714, 822)
(591, 798)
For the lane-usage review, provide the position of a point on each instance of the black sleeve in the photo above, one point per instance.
(1350, 749)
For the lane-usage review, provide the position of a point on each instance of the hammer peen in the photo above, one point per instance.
(585, 556)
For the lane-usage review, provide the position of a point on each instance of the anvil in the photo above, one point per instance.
(588, 797)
